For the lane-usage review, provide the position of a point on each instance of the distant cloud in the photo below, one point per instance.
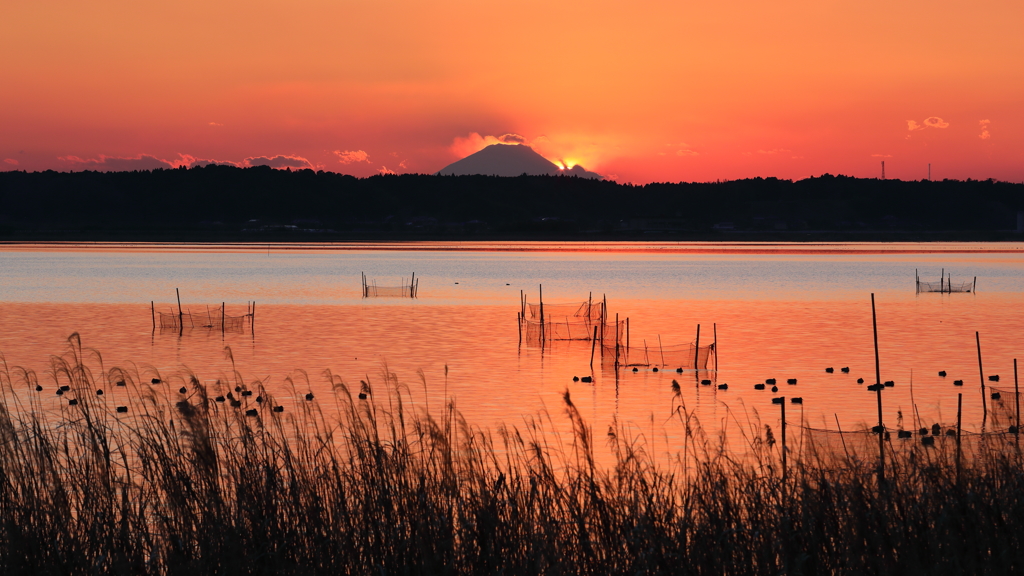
(463, 147)
(775, 151)
(686, 152)
(282, 161)
(935, 122)
(215, 124)
(116, 164)
(912, 125)
(350, 156)
(385, 170)
(881, 155)
(984, 129)
(402, 165)
(11, 161)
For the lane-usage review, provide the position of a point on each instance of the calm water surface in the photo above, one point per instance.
(782, 311)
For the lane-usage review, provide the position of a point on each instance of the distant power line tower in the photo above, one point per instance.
(929, 171)
(883, 169)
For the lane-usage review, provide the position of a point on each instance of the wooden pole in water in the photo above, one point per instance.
(593, 343)
(942, 278)
(411, 284)
(541, 296)
(222, 308)
(616, 340)
(959, 412)
(660, 347)
(1016, 396)
(252, 319)
(696, 353)
(627, 337)
(981, 373)
(974, 287)
(519, 321)
(917, 282)
(152, 312)
(783, 439)
(604, 318)
(714, 341)
(878, 393)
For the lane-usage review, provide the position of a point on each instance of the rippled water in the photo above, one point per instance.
(782, 311)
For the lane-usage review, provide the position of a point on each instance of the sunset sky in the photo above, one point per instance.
(638, 91)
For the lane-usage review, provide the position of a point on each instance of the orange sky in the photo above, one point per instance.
(640, 91)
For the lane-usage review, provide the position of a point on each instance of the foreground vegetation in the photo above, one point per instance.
(189, 482)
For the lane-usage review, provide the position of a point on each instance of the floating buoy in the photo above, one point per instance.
(252, 412)
(236, 403)
(993, 378)
(829, 370)
(936, 429)
(797, 400)
(655, 369)
(923, 431)
(309, 396)
(60, 392)
(950, 432)
(878, 429)
(845, 370)
(246, 392)
(705, 382)
(904, 434)
(860, 380)
(182, 390)
(775, 388)
(758, 386)
(679, 370)
(155, 381)
(218, 399)
(777, 400)
(889, 383)
(1012, 430)
(996, 395)
(99, 392)
(278, 408)
(723, 386)
(791, 381)
(238, 388)
(39, 388)
(122, 409)
(958, 382)
(928, 441)
(876, 387)
(770, 381)
(635, 369)
(577, 378)
(587, 379)
(259, 399)
(120, 383)
(362, 396)
(65, 388)
(72, 402)
(942, 373)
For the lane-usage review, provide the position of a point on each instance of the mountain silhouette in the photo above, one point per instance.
(510, 160)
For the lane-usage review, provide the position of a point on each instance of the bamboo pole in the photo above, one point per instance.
(878, 393)
(593, 343)
(152, 312)
(974, 287)
(627, 337)
(981, 374)
(1016, 397)
(616, 340)
(696, 353)
(942, 278)
(222, 309)
(714, 341)
(519, 322)
(181, 324)
(660, 347)
(411, 284)
(252, 319)
(540, 288)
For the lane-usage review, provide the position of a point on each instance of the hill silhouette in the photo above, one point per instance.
(510, 160)
(223, 203)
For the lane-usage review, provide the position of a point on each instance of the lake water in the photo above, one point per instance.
(778, 310)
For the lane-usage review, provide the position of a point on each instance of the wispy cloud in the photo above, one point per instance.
(281, 161)
(935, 122)
(686, 152)
(913, 125)
(351, 156)
(402, 165)
(881, 155)
(775, 151)
(984, 129)
(116, 163)
(384, 170)
(463, 147)
(11, 161)
(215, 124)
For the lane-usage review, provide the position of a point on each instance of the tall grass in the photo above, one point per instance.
(187, 484)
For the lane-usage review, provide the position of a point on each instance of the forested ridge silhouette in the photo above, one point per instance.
(225, 202)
